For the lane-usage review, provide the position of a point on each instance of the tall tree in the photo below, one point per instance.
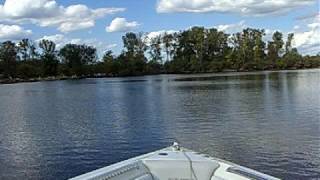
(216, 48)
(134, 44)
(275, 48)
(130, 43)
(197, 40)
(33, 51)
(191, 51)
(244, 43)
(167, 41)
(108, 56)
(132, 59)
(8, 56)
(25, 47)
(292, 58)
(111, 66)
(77, 56)
(49, 58)
(289, 42)
(235, 56)
(47, 46)
(259, 49)
(278, 42)
(155, 49)
(272, 54)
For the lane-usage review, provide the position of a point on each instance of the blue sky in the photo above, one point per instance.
(83, 21)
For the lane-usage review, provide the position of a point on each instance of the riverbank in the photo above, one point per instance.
(61, 78)
(19, 80)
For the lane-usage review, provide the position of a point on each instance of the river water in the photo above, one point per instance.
(268, 121)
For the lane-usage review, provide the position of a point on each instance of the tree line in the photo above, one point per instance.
(196, 50)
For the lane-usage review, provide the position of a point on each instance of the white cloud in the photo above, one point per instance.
(154, 34)
(232, 28)
(243, 7)
(111, 46)
(47, 13)
(16, 9)
(308, 40)
(59, 39)
(13, 32)
(121, 25)
(72, 26)
(149, 36)
(296, 27)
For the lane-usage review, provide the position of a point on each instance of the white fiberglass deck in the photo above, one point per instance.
(174, 163)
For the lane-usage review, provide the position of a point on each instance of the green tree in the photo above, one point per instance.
(272, 54)
(236, 58)
(134, 44)
(243, 48)
(182, 54)
(216, 49)
(167, 40)
(111, 65)
(289, 42)
(49, 58)
(197, 40)
(27, 49)
(259, 50)
(132, 60)
(278, 42)
(26, 70)
(47, 46)
(108, 56)
(191, 51)
(291, 58)
(188, 51)
(155, 49)
(8, 57)
(275, 49)
(24, 47)
(76, 57)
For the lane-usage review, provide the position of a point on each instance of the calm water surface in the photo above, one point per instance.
(266, 121)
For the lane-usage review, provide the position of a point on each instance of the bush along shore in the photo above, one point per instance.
(196, 50)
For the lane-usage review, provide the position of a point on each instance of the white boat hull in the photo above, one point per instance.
(174, 163)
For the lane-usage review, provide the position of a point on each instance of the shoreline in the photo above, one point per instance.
(40, 79)
(62, 78)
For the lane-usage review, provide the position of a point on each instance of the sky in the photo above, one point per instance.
(102, 23)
